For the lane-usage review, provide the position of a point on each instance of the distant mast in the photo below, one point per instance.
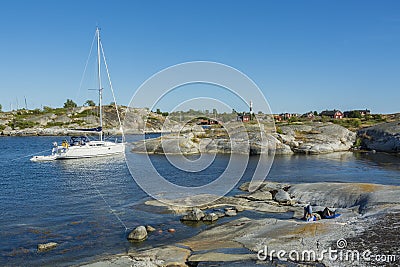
(100, 86)
(251, 107)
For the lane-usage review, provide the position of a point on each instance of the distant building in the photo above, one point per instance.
(362, 112)
(278, 118)
(334, 114)
(246, 116)
(308, 115)
(206, 121)
(287, 116)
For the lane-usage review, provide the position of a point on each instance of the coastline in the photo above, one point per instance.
(362, 207)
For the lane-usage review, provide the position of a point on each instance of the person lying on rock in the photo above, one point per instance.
(326, 213)
(307, 212)
(310, 216)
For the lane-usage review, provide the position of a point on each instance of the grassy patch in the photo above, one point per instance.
(55, 124)
(85, 113)
(22, 124)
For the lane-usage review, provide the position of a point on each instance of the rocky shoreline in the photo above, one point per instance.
(253, 139)
(314, 138)
(243, 240)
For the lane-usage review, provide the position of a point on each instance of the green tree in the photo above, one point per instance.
(1, 107)
(355, 114)
(36, 111)
(70, 104)
(90, 103)
(47, 109)
(315, 113)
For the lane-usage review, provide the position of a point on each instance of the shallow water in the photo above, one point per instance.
(84, 205)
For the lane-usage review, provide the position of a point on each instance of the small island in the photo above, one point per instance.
(202, 132)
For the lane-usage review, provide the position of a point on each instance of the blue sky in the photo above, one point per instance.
(304, 55)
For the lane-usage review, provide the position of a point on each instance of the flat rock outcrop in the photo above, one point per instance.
(364, 208)
(381, 137)
(317, 138)
(298, 138)
(190, 144)
(364, 197)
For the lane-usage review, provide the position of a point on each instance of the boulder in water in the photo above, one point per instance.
(195, 214)
(211, 217)
(138, 234)
(150, 228)
(46, 246)
(230, 212)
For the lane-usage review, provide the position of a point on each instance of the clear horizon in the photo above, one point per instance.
(304, 56)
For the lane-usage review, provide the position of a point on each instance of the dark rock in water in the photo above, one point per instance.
(211, 217)
(150, 228)
(138, 234)
(282, 196)
(46, 246)
(381, 137)
(195, 214)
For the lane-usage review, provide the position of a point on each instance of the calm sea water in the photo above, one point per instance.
(76, 202)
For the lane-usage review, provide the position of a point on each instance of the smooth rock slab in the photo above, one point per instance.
(382, 137)
(168, 255)
(218, 257)
(260, 196)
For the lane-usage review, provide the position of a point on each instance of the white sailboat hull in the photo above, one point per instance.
(92, 149)
(88, 150)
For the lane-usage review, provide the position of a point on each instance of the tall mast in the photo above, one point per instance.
(100, 86)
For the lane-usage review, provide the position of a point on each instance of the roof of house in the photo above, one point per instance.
(330, 112)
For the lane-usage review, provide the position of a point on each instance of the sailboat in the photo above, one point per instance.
(81, 146)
